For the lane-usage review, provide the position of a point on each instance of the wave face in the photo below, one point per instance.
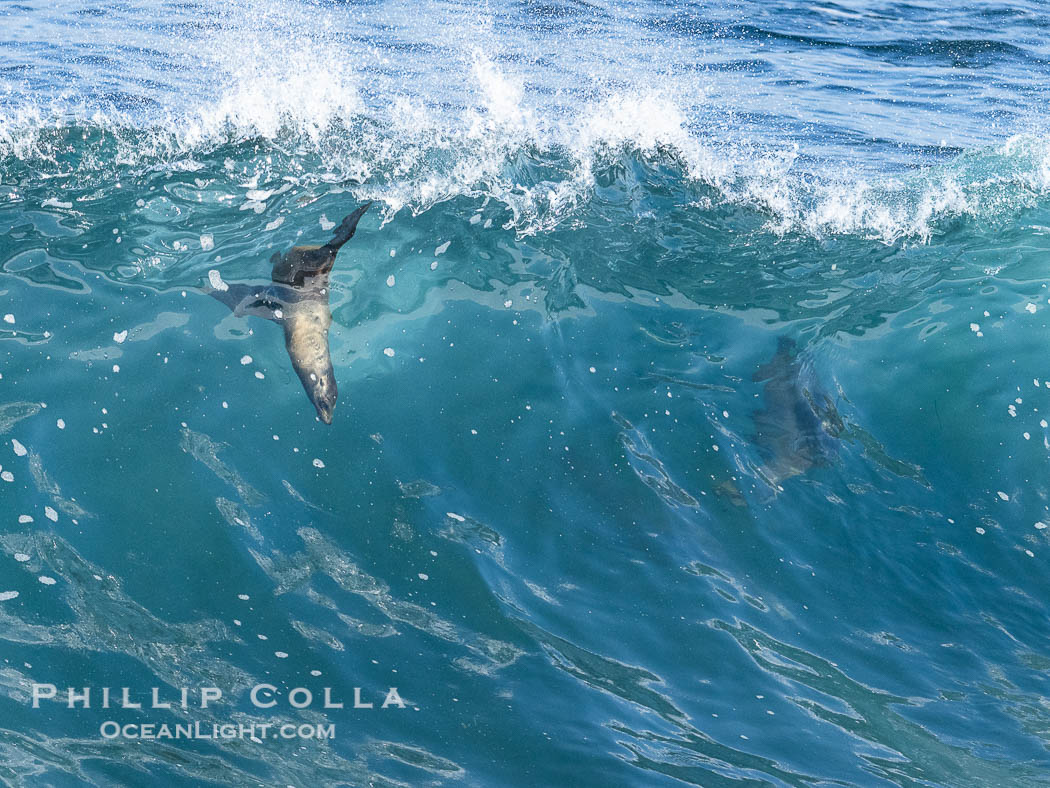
(693, 390)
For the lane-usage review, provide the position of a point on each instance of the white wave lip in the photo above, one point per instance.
(402, 150)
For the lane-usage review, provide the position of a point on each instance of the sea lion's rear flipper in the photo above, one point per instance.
(248, 300)
(302, 262)
(345, 231)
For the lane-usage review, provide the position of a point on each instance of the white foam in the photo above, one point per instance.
(409, 154)
(215, 280)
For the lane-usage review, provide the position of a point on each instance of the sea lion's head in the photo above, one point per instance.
(323, 393)
(319, 383)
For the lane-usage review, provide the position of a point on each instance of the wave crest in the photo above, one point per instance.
(307, 118)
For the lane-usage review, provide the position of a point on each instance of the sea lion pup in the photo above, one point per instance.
(298, 300)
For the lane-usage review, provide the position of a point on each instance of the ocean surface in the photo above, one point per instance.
(693, 369)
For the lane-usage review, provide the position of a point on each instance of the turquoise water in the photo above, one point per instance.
(693, 385)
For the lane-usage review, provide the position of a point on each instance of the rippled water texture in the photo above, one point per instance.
(693, 391)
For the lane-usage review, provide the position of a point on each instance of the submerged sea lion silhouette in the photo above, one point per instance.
(801, 427)
(297, 298)
(798, 428)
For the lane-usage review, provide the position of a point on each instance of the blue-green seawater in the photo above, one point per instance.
(693, 380)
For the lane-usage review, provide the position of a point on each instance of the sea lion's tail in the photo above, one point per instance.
(345, 231)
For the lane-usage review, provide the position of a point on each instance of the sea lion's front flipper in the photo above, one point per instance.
(249, 300)
(303, 262)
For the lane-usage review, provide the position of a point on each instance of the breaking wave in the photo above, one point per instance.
(547, 152)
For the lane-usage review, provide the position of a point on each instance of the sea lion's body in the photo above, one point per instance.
(797, 428)
(305, 320)
(800, 426)
(298, 300)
